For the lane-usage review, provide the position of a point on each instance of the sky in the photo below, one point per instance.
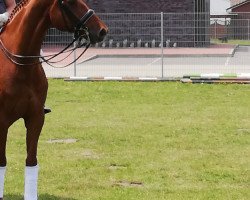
(219, 6)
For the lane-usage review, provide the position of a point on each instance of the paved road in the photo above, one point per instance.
(151, 66)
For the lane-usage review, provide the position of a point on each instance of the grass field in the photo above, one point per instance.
(235, 42)
(139, 141)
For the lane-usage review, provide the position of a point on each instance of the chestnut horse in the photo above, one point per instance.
(23, 84)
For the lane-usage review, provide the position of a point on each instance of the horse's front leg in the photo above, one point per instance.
(34, 126)
(3, 138)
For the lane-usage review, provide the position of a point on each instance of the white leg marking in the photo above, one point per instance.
(31, 178)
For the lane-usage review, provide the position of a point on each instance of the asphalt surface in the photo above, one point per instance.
(151, 66)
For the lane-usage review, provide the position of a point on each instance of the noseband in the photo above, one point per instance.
(79, 25)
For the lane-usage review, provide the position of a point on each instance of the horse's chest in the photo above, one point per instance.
(18, 96)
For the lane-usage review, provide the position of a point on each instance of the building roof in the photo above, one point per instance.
(238, 5)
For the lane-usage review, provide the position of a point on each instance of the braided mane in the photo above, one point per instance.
(18, 7)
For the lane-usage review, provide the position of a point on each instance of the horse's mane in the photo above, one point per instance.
(17, 8)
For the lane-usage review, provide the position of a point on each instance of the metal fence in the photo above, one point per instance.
(159, 45)
(144, 30)
(230, 29)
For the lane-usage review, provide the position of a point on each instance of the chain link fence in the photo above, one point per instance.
(159, 45)
(235, 28)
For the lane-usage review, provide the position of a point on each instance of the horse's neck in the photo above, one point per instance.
(25, 32)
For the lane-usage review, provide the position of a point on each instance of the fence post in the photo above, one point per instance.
(248, 29)
(162, 46)
(215, 29)
(74, 60)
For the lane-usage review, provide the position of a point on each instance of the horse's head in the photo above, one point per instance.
(75, 16)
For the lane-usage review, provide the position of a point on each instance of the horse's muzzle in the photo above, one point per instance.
(102, 34)
(98, 36)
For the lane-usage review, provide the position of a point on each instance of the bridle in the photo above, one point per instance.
(79, 24)
(80, 32)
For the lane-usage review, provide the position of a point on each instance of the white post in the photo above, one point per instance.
(248, 29)
(162, 45)
(75, 59)
(215, 29)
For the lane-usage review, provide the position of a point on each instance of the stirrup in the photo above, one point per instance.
(46, 110)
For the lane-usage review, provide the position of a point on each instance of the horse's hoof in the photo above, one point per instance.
(46, 111)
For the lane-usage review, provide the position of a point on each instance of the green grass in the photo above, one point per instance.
(181, 141)
(235, 42)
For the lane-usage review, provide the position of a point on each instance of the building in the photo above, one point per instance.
(148, 6)
(240, 22)
(239, 6)
(138, 23)
(218, 29)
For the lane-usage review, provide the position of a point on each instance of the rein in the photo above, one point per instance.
(43, 59)
(80, 32)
